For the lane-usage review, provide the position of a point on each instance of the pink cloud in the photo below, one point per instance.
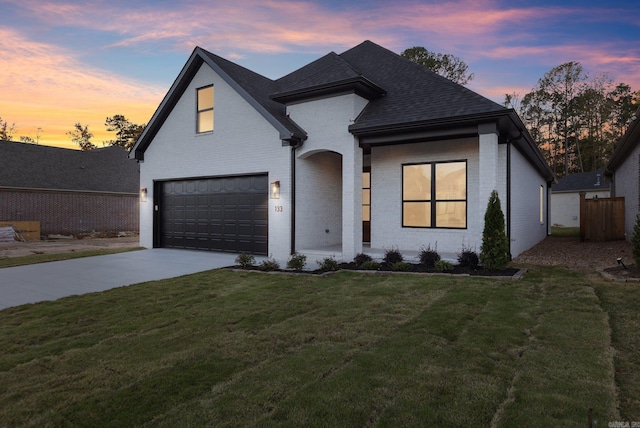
(59, 90)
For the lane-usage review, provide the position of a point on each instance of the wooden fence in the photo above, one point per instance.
(601, 219)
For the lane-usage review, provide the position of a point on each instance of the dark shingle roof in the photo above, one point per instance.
(414, 93)
(582, 181)
(44, 167)
(403, 96)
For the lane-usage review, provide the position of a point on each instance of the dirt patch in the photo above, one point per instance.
(577, 255)
(50, 246)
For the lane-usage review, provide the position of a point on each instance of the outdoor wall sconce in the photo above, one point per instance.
(143, 194)
(275, 190)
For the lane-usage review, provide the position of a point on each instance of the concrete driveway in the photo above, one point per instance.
(50, 281)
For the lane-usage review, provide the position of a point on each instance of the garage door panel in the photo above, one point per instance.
(218, 214)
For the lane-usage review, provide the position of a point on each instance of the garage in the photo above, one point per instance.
(227, 214)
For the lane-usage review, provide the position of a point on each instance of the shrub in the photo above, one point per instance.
(635, 241)
(361, 258)
(297, 262)
(370, 265)
(328, 264)
(443, 266)
(245, 261)
(428, 256)
(392, 256)
(402, 267)
(269, 265)
(494, 253)
(468, 258)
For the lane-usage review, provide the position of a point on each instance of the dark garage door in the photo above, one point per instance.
(216, 214)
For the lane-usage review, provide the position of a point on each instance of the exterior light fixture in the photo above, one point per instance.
(274, 192)
(143, 194)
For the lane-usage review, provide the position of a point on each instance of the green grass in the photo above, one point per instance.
(565, 231)
(55, 257)
(224, 348)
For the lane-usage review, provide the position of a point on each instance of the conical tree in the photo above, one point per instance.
(494, 252)
(635, 241)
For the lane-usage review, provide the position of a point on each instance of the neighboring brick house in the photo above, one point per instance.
(354, 152)
(69, 192)
(624, 171)
(565, 195)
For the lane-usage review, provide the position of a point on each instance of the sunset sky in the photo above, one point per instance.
(63, 62)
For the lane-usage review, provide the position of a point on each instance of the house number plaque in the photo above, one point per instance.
(279, 208)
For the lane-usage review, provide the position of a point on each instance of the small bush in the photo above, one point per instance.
(370, 265)
(429, 256)
(269, 265)
(361, 258)
(402, 267)
(494, 252)
(468, 258)
(443, 266)
(246, 261)
(297, 262)
(392, 256)
(328, 264)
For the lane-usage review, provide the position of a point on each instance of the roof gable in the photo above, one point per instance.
(254, 88)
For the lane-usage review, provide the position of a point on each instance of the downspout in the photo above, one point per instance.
(508, 207)
(508, 204)
(293, 198)
(294, 146)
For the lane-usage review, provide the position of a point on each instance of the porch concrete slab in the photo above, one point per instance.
(50, 281)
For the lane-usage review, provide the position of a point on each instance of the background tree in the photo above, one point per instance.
(576, 120)
(6, 130)
(127, 133)
(27, 139)
(82, 137)
(446, 65)
(494, 252)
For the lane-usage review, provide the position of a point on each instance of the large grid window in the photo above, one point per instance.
(435, 195)
(205, 110)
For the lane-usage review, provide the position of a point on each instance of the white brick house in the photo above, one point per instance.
(353, 152)
(624, 171)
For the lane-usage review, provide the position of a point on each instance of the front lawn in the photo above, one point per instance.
(225, 348)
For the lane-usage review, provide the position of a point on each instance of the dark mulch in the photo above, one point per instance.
(417, 268)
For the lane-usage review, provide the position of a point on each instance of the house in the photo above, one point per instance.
(69, 192)
(624, 172)
(353, 152)
(565, 195)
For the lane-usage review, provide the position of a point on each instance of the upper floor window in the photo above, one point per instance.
(205, 109)
(434, 195)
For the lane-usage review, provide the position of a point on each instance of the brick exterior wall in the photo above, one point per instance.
(242, 142)
(71, 213)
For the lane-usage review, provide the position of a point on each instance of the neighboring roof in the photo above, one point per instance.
(404, 98)
(32, 166)
(582, 182)
(627, 143)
